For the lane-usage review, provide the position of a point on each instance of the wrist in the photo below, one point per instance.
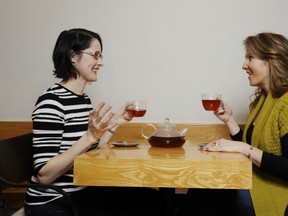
(89, 138)
(111, 131)
(230, 121)
(248, 151)
(232, 126)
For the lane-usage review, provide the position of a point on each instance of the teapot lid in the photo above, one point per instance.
(167, 129)
(167, 125)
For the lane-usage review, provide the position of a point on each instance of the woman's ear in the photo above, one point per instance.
(73, 57)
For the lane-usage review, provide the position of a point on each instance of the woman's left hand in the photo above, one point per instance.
(122, 116)
(224, 145)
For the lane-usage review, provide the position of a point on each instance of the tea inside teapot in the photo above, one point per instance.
(166, 135)
(170, 142)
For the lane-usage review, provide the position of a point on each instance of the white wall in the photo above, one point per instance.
(166, 51)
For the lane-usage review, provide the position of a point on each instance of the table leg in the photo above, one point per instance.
(168, 198)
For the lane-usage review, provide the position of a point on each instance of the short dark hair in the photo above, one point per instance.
(74, 40)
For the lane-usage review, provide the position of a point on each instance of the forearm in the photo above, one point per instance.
(61, 163)
(277, 165)
(107, 136)
(232, 126)
(252, 153)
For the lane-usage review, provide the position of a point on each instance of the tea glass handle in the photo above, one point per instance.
(142, 131)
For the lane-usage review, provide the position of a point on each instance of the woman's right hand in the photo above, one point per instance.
(224, 113)
(100, 120)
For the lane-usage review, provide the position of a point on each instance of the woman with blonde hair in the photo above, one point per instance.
(264, 139)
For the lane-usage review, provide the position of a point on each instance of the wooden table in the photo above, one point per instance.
(145, 166)
(164, 168)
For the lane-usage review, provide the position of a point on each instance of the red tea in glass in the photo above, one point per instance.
(211, 101)
(211, 105)
(137, 113)
(138, 108)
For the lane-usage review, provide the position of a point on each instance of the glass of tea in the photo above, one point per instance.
(138, 108)
(211, 101)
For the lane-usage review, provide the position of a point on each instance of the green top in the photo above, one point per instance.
(269, 194)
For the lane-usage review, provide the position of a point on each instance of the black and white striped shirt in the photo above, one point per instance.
(60, 118)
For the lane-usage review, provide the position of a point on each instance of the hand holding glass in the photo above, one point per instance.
(138, 108)
(211, 101)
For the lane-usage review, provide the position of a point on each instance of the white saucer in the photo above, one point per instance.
(125, 144)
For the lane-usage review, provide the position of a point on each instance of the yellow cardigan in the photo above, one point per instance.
(269, 194)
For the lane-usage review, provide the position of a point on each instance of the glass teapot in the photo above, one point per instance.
(166, 135)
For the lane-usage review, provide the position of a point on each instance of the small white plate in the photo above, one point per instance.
(125, 144)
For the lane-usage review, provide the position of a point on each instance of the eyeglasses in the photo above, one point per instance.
(96, 55)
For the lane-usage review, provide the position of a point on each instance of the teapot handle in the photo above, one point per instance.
(142, 131)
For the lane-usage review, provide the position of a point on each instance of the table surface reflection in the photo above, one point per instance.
(146, 166)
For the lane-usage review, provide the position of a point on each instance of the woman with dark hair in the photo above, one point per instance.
(66, 125)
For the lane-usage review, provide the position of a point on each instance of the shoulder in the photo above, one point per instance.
(284, 96)
(283, 101)
(55, 92)
(282, 114)
(282, 107)
(52, 96)
(62, 98)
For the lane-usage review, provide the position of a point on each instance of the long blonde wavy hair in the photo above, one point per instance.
(272, 48)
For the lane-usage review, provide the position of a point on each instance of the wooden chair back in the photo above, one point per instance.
(16, 162)
(16, 166)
